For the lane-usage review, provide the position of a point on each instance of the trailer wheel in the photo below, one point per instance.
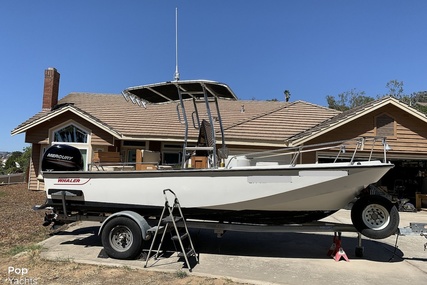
(375, 217)
(122, 239)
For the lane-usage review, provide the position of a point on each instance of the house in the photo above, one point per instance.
(108, 123)
(405, 129)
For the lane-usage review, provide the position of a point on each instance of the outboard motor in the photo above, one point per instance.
(61, 157)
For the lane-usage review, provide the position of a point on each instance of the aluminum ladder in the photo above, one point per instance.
(170, 216)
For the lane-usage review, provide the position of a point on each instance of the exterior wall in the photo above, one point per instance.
(40, 133)
(411, 136)
(410, 133)
(33, 183)
(39, 137)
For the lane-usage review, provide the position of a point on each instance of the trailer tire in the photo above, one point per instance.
(375, 217)
(122, 239)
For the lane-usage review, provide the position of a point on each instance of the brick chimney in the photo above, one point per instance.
(51, 88)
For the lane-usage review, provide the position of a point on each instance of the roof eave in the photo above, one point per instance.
(60, 111)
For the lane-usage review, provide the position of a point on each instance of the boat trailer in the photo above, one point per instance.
(415, 229)
(220, 228)
(336, 250)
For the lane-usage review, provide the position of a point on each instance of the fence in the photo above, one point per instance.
(12, 178)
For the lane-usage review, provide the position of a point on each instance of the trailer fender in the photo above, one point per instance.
(139, 220)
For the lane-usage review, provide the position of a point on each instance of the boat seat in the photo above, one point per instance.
(205, 147)
(205, 141)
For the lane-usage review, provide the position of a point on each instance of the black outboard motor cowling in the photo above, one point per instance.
(61, 157)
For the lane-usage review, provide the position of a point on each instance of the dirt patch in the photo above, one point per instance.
(20, 263)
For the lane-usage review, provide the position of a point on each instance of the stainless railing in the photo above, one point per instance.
(355, 145)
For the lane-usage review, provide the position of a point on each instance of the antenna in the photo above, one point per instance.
(176, 77)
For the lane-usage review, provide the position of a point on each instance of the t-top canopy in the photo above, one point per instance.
(168, 91)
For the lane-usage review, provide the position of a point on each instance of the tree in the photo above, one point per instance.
(414, 100)
(12, 165)
(2, 171)
(353, 98)
(395, 88)
(25, 158)
(419, 101)
(18, 161)
(348, 100)
(420, 96)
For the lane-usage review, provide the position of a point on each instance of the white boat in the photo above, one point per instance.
(235, 194)
(230, 188)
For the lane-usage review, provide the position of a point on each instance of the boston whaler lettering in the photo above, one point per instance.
(228, 189)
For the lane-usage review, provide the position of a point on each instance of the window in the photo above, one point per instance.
(171, 158)
(128, 149)
(131, 155)
(171, 154)
(385, 126)
(140, 144)
(70, 134)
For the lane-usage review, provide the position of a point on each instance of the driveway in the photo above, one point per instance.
(270, 258)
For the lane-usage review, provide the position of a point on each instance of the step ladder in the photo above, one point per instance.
(168, 220)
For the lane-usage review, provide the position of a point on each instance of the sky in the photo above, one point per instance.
(313, 48)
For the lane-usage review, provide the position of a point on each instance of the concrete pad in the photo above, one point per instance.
(270, 258)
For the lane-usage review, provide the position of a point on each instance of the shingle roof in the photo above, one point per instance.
(281, 123)
(261, 121)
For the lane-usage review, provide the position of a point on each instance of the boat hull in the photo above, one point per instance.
(268, 194)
